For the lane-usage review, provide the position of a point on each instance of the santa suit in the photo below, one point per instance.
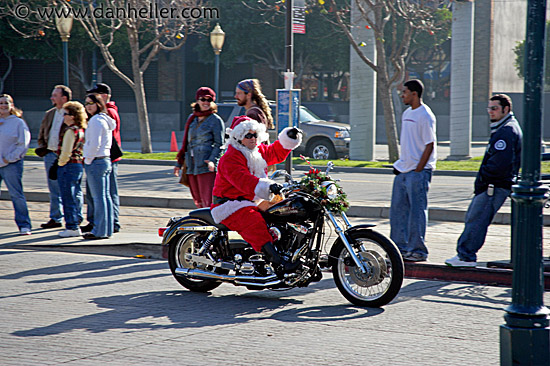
(242, 183)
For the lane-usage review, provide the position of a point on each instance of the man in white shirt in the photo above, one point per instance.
(409, 204)
(48, 143)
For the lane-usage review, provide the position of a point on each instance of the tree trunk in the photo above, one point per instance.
(139, 93)
(143, 117)
(384, 92)
(7, 73)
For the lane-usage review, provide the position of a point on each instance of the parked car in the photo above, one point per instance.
(322, 139)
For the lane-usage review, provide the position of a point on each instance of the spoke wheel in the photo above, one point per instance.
(384, 276)
(179, 247)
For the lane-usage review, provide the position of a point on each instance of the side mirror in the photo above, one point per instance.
(281, 173)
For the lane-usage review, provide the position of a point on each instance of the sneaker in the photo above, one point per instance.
(457, 262)
(414, 257)
(70, 233)
(90, 236)
(87, 228)
(25, 231)
(50, 224)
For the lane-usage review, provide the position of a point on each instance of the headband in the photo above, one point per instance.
(246, 85)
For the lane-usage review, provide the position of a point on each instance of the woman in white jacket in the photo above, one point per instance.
(97, 164)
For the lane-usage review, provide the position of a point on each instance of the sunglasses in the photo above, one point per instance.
(67, 114)
(90, 103)
(205, 99)
(493, 108)
(250, 135)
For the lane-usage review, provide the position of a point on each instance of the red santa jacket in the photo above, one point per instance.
(242, 174)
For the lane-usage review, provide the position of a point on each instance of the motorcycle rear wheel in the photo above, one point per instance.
(385, 276)
(179, 246)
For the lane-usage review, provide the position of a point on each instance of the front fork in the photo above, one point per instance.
(342, 234)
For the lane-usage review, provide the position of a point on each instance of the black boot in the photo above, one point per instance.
(275, 258)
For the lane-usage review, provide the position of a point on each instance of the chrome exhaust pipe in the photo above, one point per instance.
(238, 280)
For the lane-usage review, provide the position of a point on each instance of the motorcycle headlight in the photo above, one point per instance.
(332, 191)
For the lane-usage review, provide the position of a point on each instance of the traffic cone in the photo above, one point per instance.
(173, 143)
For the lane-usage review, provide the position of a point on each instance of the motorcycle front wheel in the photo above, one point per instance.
(179, 246)
(384, 277)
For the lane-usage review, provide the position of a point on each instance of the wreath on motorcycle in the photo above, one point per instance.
(312, 183)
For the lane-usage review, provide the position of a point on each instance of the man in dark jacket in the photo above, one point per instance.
(494, 180)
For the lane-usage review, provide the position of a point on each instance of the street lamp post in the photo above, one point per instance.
(64, 25)
(525, 338)
(217, 37)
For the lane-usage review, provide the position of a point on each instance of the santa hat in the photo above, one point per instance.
(241, 125)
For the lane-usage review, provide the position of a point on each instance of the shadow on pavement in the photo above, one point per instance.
(464, 294)
(150, 311)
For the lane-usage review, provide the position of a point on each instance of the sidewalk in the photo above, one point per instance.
(144, 188)
(147, 204)
(139, 238)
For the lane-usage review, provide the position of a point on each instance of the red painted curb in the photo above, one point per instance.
(480, 275)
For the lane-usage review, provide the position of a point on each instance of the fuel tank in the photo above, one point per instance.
(292, 209)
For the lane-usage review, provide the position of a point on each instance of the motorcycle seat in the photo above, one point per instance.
(204, 214)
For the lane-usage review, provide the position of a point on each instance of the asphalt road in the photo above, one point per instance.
(65, 308)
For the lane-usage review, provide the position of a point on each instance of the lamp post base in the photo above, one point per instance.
(525, 346)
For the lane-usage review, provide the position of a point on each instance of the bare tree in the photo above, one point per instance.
(20, 36)
(150, 26)
(7, 71)
(404, 18)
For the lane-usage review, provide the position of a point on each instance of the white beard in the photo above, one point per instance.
(255, 162)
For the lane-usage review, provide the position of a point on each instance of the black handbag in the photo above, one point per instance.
(116, 151)
(52, 173)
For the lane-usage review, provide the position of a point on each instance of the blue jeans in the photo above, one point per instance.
(97, 177)
(53, 186)
(113, 189)
(409, 211)
(12, 174)
(480, 213)
(69, 178)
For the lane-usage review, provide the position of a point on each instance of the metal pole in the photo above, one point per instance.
(94, 67)
(217, 75)
(65, 62)
(94, 60)
(525, 338)
(289, 63)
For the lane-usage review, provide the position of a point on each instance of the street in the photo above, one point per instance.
(80, 309)
(61, 306)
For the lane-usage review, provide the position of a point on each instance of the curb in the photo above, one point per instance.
(356, 210)
(480, 275)
(337, 169)
(421, 271)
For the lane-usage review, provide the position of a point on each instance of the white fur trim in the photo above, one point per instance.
(223, 211)
(262, 188)
(287, 142)
(242, 129)
(256, 164)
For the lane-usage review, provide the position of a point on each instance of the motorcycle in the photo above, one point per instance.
(367, 267)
